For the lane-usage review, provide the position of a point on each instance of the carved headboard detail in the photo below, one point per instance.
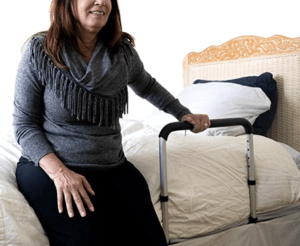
(245, 47)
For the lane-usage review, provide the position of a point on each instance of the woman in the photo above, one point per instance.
(71, 90)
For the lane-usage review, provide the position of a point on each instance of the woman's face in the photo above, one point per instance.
(92, 15)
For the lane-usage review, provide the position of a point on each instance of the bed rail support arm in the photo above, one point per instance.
(177, 126)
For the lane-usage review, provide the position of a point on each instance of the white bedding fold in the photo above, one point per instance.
(18, 222)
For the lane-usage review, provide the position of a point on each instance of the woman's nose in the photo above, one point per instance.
(100, 2)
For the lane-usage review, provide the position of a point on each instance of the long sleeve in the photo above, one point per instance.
(28, 111)
(145, 86)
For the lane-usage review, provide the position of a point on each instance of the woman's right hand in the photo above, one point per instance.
(72, 185)
(68, 185)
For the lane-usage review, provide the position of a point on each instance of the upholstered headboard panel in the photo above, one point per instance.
(251, 55)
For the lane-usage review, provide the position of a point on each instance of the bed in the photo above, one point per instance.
(250, 77)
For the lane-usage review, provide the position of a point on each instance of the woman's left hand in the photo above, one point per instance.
(200, 121)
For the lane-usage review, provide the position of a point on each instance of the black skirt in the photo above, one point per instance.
(124, 213)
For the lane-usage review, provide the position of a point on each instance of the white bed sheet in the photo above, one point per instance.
(20, 226)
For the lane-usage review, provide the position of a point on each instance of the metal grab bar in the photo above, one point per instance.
(177, 126)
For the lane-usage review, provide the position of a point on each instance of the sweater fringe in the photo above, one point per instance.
(80, 102)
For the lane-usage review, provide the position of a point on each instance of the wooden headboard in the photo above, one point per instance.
(252, 55)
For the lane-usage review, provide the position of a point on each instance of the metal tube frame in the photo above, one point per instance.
(251, 177)
(164, 182)
(164, 186)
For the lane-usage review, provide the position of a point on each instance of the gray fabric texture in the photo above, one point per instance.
(75, 113)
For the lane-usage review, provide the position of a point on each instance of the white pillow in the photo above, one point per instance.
(219, 100)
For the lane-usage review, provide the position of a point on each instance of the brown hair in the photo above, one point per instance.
(64, 28)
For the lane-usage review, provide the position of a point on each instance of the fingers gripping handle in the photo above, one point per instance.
(177, 126)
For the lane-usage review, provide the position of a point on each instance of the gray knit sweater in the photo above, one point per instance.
(73, 113)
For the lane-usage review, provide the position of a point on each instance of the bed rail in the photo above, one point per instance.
(177, 126)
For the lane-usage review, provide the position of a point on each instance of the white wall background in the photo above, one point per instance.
(165, 31)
